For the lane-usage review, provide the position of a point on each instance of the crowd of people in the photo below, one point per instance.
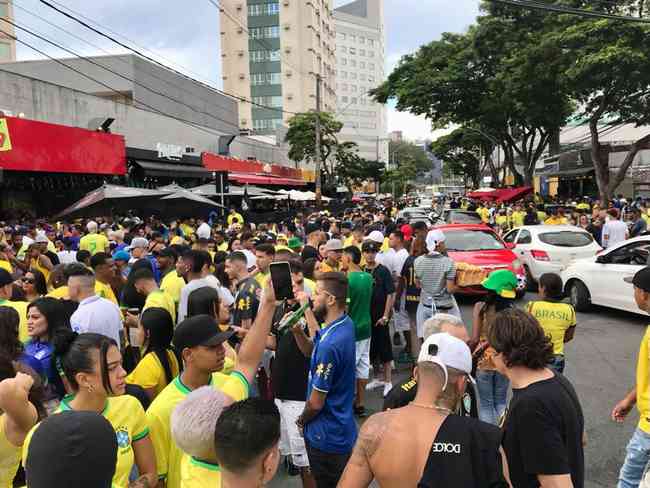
(148, 353)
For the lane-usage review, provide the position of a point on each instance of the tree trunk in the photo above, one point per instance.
(601, 164)
(627, 163)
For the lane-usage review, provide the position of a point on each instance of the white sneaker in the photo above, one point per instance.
(387, 388)
(374, 384)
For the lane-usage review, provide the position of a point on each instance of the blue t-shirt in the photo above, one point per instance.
(332, 371)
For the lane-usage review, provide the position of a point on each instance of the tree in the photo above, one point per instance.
(405, 152)
(498, 76)
(465, 152)
(354, 171)
(301, 137)
(608, 75)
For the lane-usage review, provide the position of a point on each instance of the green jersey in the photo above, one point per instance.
(359, 298)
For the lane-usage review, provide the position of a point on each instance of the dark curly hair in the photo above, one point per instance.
(519, 338)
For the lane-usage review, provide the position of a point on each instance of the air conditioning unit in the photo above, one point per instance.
(239, 6)
(287, 27)
(242, 76)
(290, 96)
(288, 74)
(240, 54)
(243, 122)
(287, 50)
(240, 30)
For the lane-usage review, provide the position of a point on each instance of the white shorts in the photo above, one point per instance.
(363, 359)
(291, 442)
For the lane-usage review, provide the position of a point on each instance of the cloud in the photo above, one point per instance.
(413, 127)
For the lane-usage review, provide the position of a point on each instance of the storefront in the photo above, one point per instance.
(569, 175)
(242, 171)
(45, 166)
(169, 164)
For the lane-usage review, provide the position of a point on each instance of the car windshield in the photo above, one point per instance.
(472, 240)
(463, 218)
(566, 239)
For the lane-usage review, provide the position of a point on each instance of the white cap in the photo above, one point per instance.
(203, 232)
(434, 237)
(139, 242)
(376, 236)
(41, 238)
(446, 351)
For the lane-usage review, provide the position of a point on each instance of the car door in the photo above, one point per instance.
(607, 286)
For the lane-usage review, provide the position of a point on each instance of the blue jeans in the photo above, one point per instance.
(636, 459)
(557, 363)
(493, 395)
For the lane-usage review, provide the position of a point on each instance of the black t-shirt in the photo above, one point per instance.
(382, 287)
(404, 392)
(53, 258)
(464, 454)
(412, 290)
(246, 301)
(290, 366)
(309, 252)
(543, 431)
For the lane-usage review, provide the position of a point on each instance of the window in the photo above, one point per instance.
(371, 66)
(371, 54)
(362, 52)
(371, 42)
(344, 99)
(362, 101)
(566, 239)
(4, 10)
(261, 56)
(344, 61)
(371, 78)
(254, 10)
(257, 78)
(509, 238)
(273, 8)
(353, 88)
(344, 74)
(341, 36)
(344, 49)
(353, 38)
(353, 63)
(265, 124)
(362, 40)
(263, 9)
(635, 254)
(472, 240)
(353, 50)
(362, 64)
(362, 77)
(524, 237)
(274, 55)
(273, 78)
(271, 101)
(270, 32)
(353, 100)
(344, 87)
(353, 76)
(266, 79)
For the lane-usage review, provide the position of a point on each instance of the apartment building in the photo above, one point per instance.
(360, 67)
(271, 52)
(7, 44)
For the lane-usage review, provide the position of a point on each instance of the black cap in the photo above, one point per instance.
(78, 449)
(312, 227)
(200, 330)
(370, 246)
(168, 252)
(5, 277)
(641, 279)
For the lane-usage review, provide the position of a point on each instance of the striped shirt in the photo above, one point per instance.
(433, 271)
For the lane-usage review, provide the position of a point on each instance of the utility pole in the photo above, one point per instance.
(319, 192)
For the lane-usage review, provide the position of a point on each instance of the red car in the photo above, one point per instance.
(479, 245)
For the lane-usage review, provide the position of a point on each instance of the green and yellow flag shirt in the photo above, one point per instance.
(168, 454)
(127, 417)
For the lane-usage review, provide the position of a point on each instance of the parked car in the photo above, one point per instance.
(414, 214)
(549, 248)
(479, 245)
(598, 280)
(458, 216)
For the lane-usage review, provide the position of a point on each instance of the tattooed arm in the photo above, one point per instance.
(358, 472)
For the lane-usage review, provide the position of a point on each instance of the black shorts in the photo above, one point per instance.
(381, 348)
(411, 308)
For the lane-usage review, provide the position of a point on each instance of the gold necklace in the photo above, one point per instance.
(432, 407)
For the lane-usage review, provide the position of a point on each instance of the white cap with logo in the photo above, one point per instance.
(446, 351)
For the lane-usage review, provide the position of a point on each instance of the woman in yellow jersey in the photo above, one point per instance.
(34, 259)
(159, 364)
(17, 416)
(92, 365)
(192, 425)
(33, 284)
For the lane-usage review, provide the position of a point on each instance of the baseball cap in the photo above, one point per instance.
(370, 246)
(334, 245)
(203, 232)
(294, 243)
(139, 242)
(5, 277)
(200, 330)
(446, 351)
(41, 239)
(121, 256)
(503, 282)
(434, 237)
(641, 279)
(76, 448)
(407, 230)
(311, 227)
(376, 236)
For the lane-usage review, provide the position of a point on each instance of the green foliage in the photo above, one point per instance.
(406, 153)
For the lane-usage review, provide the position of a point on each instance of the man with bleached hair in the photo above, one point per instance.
(94, 242)
(193, 422)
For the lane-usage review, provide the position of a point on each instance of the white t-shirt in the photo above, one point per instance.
(614, 231)
(67, 257)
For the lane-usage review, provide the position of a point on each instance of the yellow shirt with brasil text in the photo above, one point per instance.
(643, 383)
(555, 318)
(168, 455)
(130, 423)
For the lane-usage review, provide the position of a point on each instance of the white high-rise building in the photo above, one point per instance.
(7, 44)
(360, 67)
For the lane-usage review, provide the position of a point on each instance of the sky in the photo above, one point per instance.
(187, 39)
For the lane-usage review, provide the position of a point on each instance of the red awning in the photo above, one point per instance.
(264, 180)
(215, 162)
(29, 145)
(502, 195)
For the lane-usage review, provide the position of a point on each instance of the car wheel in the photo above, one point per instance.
(579, 296)
(531, 285)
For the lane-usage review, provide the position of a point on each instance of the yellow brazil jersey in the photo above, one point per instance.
(93, 243)
(34, 264)
(21, 308)
(168, 455)
(232, 217)
(555, 318)
(199, 474)
(223, 247)
(643, 383)
(187, 230)
(4, 264)
(502, 221)
(149, 373)
(518, 219)
(9, 457)
(61, 293)
(262, 278)
(105, 291)
(484, 213)
(553, 220)
(160, 299)
(130, 423)
(172, 284)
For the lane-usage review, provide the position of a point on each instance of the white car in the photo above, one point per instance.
(599, 280)
(549, 248)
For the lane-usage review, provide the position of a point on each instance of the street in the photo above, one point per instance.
(601, 365)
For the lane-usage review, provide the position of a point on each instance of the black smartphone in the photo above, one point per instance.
(281, 279)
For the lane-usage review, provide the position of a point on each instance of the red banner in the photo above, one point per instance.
(52, 148)
(214, 162)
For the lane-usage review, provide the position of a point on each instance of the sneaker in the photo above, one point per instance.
(374, 384)
(360, 411)
(387, 388)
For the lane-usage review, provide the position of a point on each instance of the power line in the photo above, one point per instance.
(149, 58)
(528, 4)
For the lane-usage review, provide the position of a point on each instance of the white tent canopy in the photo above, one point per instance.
(302, 196)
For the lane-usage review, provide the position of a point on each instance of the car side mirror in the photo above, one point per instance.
(510, 245)
(602, 259)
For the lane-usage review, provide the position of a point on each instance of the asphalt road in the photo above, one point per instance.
(601, 365)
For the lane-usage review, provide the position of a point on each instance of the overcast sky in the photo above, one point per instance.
(187, 36)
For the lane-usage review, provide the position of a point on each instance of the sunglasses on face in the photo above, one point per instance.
(29, 281)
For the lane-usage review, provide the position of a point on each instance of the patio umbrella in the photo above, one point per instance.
(184, 203)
